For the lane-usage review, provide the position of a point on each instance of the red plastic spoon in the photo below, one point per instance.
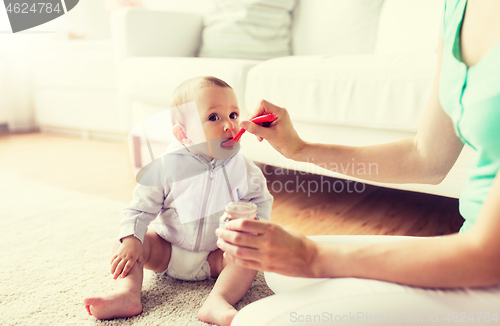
(264, 120)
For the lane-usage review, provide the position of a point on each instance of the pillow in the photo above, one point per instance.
(248, 29)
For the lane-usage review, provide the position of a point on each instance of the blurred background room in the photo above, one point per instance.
(354, 72)
(76, 91)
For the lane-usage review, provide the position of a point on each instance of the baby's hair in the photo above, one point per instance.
(186, 91)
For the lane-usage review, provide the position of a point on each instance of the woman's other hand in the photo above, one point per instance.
(280, 134)
(266, 246)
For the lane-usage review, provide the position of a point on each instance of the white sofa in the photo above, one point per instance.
(360, 73)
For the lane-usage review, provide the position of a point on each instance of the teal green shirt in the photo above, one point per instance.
(471, 97)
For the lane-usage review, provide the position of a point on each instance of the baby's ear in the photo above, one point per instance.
(180, 134)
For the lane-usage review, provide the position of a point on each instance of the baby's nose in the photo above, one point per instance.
(229, 125)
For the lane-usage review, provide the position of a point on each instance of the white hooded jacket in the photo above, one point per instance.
(184, 195)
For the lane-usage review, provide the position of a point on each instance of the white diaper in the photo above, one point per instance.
(188, 265)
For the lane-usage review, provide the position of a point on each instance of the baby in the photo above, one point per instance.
(184, 192)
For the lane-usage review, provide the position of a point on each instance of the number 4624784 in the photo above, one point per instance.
(25, 8)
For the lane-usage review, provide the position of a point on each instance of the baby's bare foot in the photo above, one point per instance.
(216, 310)
(114, 305)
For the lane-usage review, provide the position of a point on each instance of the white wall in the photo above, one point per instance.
(89, 18)
(4, 22)
(18, 66)
(3, 103)
(17, 53)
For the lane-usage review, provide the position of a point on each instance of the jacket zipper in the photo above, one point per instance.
(207, 193)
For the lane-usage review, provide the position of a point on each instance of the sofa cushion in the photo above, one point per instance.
(248, 29)
(153, 79)
(244, 41)
(379, 91)
(410, 26)
(335, 27)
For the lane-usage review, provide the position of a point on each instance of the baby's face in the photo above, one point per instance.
(219, 112)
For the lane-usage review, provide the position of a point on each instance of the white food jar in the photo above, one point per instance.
(240, 209)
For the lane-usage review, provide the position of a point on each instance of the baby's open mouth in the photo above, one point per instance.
(228, 143)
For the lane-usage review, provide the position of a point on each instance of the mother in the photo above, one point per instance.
(463, 108)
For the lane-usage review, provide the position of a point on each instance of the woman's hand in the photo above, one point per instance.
(280, 134)
(129, 252)
(268, 247)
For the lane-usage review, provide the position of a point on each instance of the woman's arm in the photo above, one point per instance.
(426, 158)
(460, 260)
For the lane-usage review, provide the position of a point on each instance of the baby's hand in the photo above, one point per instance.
(129, 252)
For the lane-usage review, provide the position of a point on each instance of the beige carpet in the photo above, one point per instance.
(55, 250)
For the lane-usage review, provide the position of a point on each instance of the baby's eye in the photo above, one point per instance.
(233, 115)
(213, 117)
